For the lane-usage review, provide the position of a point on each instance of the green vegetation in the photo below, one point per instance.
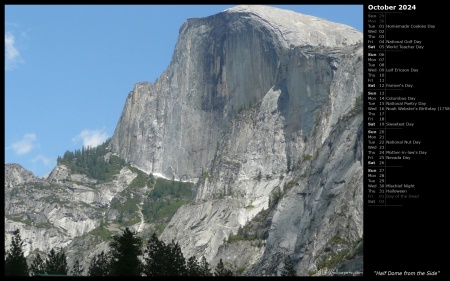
(77, 269)
(163, 259)
(44, 185)
(15, 262)
(315, 127)
(306, 157)
(165, 199)
(333, 260)
(128, 207)
(348, 250)
(357, 249)
(125, 251)
(122, 259)
(256, 230)
(357, 109)
(114, 166)
(336, 240)
(168, 210)
(288, 269)
(261, 215)
(175, 189)
(91, 162)
(290, 184)
(46, 225)
(142, 179)
(359, 104)
(240, 270)
(161, 211)
(26, 220)
(51, 199)
(56, 263)
(162, 202)
(206, 175)
(221, 270)
(100, 265)
(245, 234)
(159, 228)
(276, 196)
(101, 232)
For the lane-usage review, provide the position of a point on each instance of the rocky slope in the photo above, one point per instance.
(262, 109)
(52, 213)
(80, 214)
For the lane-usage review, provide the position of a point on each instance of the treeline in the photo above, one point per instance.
(91, 162)
(125, 258)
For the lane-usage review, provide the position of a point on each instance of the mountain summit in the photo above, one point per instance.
(296, 29)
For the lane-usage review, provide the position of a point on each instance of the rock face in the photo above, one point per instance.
(16, 174)
(255, 98)
(319, 174)
(262, 109)
(222, 65)
(55, 212)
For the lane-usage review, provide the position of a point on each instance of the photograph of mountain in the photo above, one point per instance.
(244, 157)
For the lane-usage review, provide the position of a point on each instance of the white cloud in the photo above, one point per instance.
(47, 161)
(12, 55)
(25, 145)
(92, 138)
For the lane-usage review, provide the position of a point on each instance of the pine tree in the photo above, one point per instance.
(205, 270)
(56, 263)
(288, 269)
(193, 267)
(221, 270)
(155, 257)
(38, 266)
(125, 252)
(176, 261)
(15, 262)
(77, 269)
(100, 265)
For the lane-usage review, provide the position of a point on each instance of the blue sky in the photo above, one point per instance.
(69, 69)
